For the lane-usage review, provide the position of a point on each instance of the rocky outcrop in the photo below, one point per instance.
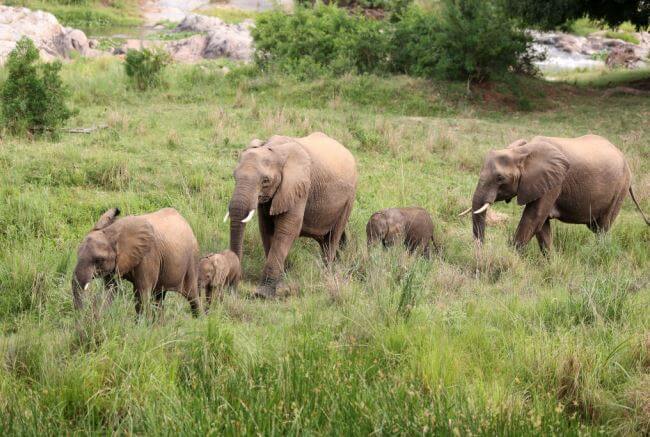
(51, 39)
(625, 57)
(215, 39)
(565, 51)
(232, 41)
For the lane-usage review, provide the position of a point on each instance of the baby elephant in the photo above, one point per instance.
(412, 226)
(218, 270)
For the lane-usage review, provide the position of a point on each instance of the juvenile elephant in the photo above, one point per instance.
(156, 252)
(575, 180)
(411, 226)
(300, 187)
(217, 271)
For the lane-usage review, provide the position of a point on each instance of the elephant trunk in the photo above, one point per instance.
(244, 200)
(480, 202)
(81, 278)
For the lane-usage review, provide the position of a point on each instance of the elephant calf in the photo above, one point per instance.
(217, 271)
(412, 226)
(155, 252)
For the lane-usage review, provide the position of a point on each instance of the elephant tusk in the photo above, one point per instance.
(86, 286)
(483, 208)
(249, 216)
(225, 217)
(465, 212)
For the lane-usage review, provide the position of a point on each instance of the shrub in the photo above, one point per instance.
(322, 39)
(414, 43)
(477, 40)
(33, 95)
(144, 68)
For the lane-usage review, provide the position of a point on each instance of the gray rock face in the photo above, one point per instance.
(50, 38)
(232, 41)
(565, 51)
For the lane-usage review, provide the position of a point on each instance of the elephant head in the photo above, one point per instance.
(278, 172)
(525, 170)
(385, 226)
(209, 267)
(111, 247)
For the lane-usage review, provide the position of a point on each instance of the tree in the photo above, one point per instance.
(552, 13)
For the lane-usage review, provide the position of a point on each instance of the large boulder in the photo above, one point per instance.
(50, 38)
(222, 40)
(623, 56)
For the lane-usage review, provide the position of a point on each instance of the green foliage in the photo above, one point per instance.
(33, 96)
(623, 36)
(144, 68)
(87, 14)
(477, 40)
(467, 39)
(323, 39)
(553, 13)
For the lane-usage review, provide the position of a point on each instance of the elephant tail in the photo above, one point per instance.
(647, 222)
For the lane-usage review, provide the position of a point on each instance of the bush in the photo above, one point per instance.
(477, 40)
(33, 96)
(325, 39)
(414, 43)
(144, 68)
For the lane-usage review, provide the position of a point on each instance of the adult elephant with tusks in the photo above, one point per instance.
(300, 187)
(575, 180)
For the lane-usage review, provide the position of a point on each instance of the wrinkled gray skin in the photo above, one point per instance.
(411, 226)
(575, 180)
(218, 271)
(299, 187)
(155, 252)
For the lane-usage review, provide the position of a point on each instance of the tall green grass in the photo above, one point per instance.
(379, 342)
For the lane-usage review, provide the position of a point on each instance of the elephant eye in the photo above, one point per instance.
(501, 178)
(266, 180)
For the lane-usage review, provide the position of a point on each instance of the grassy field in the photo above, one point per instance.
(379, 343)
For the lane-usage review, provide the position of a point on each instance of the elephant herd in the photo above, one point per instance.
(306, 187)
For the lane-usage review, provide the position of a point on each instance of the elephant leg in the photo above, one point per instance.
(603, 223)
(534, 217)
(267, 229)
(191, 291)
(143, 283)
(287, 229)
(545, 237)
(141, 299)
(333, 238)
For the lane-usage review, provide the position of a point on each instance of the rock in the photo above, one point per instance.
(50, 38)
(623, 56)
(232, 41)
(565, 51)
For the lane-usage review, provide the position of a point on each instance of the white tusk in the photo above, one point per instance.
(249, 216)
(483, 208)
(465, 212)
(86, 286)
(225, 217)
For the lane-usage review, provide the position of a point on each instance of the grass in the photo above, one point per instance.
(603, 78)
(379, 343)
(229, 14)
(586, 27)
(89, 15)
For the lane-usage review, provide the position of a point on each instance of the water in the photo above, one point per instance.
(559, 60)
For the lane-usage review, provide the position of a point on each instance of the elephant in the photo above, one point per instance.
(412, 226)
(217, 271)
(580, 180)
(156, 252)
(300, 187)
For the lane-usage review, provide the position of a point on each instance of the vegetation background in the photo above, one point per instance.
(381, 342)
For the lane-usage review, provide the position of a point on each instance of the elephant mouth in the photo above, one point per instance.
(263, 199)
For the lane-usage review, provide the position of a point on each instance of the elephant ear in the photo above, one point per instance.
(106, 219)
(517, 143)
(543, 167)
(296, 178)
(396, 228)
(255, 143)
(133, 241)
